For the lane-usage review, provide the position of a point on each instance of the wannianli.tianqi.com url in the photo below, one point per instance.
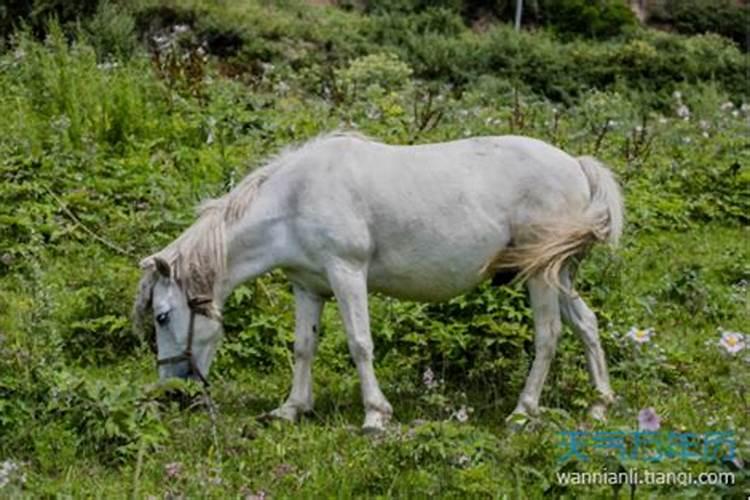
(645, 477)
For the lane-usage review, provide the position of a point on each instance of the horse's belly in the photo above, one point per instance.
(431, 273)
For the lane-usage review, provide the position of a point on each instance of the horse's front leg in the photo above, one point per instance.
(349, 285)
(308, 308)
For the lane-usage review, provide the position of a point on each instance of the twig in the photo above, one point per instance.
(80, 224)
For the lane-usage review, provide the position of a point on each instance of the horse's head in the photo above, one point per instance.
(187, 329)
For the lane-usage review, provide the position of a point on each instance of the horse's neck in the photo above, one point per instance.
(250, 254)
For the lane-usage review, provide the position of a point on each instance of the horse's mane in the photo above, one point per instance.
(198, 256)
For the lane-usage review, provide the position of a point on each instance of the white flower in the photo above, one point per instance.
(106, 66)
(640, 336)
(428, 378)
(462, 415)
(732, 342)
(677, 95)
(7, 470)
(181, 28)
(683, 112)
(727, 106)
(703, 124)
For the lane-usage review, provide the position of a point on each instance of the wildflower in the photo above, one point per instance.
(181, 28)
(683, 112)
(735, 113)
(162, 41)
(727, 106)
(106, 66)
(662, 121)
(648, 420)
(428, 378)
(638, 129)
(611, 124)
(703, 124)
(7, 470)
(462, 415)
(677, 95)
(732, 342)
(173, 469)
(745, 108)
(463, 460)
(640, 336)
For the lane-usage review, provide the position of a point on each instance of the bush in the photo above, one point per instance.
(724, 17)
(36, 13)
(597, 19)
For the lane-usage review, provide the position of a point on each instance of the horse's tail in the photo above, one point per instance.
(551, 245)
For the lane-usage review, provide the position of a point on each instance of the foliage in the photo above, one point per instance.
(600, 19)
(723, 17)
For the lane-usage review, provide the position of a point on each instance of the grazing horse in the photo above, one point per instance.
(344, 215)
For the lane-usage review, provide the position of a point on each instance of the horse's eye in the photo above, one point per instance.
(162, 318)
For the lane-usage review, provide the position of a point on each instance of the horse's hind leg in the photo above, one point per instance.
(308, 308)
(547, 327)
(583, 320)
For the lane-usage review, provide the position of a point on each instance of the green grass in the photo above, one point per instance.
(421, 453)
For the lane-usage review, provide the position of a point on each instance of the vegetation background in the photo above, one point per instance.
(118, 117)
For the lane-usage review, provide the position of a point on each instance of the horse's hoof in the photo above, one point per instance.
(598, 412)
(281, 414)
(517, 421)
(375, 422)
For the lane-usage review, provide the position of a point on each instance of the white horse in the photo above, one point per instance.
(343, 215)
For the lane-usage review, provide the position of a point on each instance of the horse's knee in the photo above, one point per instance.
(304, 348)
(360, 348)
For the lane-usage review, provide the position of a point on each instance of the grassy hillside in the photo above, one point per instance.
(114, 128)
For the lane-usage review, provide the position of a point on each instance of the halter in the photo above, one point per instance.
(187, 355)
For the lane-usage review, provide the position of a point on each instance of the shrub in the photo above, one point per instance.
(36, 13)
(597, 19)
(376, 72)
(724, 17)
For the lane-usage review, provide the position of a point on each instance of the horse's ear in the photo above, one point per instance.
(163, 267)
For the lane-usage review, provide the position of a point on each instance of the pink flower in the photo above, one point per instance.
(640, 336)
(648, 420)
(173, 469)
(732, 342)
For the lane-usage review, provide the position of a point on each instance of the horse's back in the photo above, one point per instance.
(425, 218)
